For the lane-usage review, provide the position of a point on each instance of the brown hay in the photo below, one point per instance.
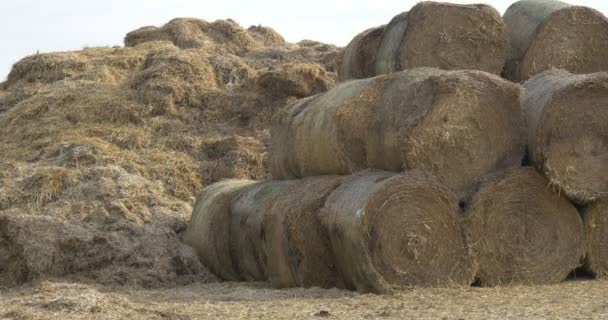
(596, 230)
(431, 34)
(568, 137)
(297, 246)
(391, 230)
(549, 34)
(248, 231)
(209, 230)
(295, 80)
(523, 232)
(458, 125)
(359, 56)
(172, 77)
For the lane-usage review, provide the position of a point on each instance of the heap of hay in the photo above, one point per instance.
(549, 34)
(296, 80)
(248, 229)
(431, 34)
(297, 244)
(522, 232)
(596, 231)
(209, 231)
(568, 136)
(390, 230)
(459, 125)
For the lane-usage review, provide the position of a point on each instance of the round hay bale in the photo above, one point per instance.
(390, 230)
(549, 34)
(522, 232)
(446, 36)
(596, 230)
(248, 232)
(568, 136)
(209, 228)
(459, 125)
(297, 245)
(359, 56)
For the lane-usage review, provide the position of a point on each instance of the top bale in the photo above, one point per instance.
(552, 34)
(431, 34)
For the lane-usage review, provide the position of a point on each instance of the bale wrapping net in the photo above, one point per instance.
(568, 136)
(522, 232)
(459, 125)
(392, 230)
(549, 34)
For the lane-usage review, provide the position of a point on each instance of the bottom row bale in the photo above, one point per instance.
(374, 231)
(522, 232)
(596, 229)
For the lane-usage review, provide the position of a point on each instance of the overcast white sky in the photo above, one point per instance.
(27, 26)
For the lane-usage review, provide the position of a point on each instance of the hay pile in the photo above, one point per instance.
(431, 34)
(522, 232)
(596, 229)
(549, 34)
(568, 136)
(115, 143)
(459, 125)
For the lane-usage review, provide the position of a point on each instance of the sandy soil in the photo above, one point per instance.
(583, 299)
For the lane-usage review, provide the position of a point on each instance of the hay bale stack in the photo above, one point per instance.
(209, 228)
(390, 230)
(549, 34)
(568, 136)
(522, 232)
(297, 245)
(459, 125)
(596, 230)
(247, 229)
(431, 34)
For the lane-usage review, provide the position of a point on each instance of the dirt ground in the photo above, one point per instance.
(58, 299)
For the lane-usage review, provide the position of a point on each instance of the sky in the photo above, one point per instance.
(30, 26)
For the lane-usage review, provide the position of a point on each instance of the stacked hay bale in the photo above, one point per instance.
(458, 125)
(596, 229)
(552, 34)
(431, 34)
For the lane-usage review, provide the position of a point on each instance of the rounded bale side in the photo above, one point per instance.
(596, 230)
(209, 228)
(359, 56)
(297, 244)
(248, 231)
(459, 125)
(390, 231)
(549, 34)
(446, 36)
(568, 136)
(522, 232)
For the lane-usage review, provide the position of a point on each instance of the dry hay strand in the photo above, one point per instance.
(549, 34)
(568, 136)
(247, 229)
(171, 77)
(295, 80)
(297, 246)
(101, 64)
(459, 125)
(522, 232)
(209, 231)
(390, 231)
(188, 33)
(433, 34)
(33, 247)
(596, 231)
(359, 57)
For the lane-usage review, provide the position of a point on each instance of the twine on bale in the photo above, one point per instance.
(522, 232)
(393, 230)
(548, 33)
(568, 136)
